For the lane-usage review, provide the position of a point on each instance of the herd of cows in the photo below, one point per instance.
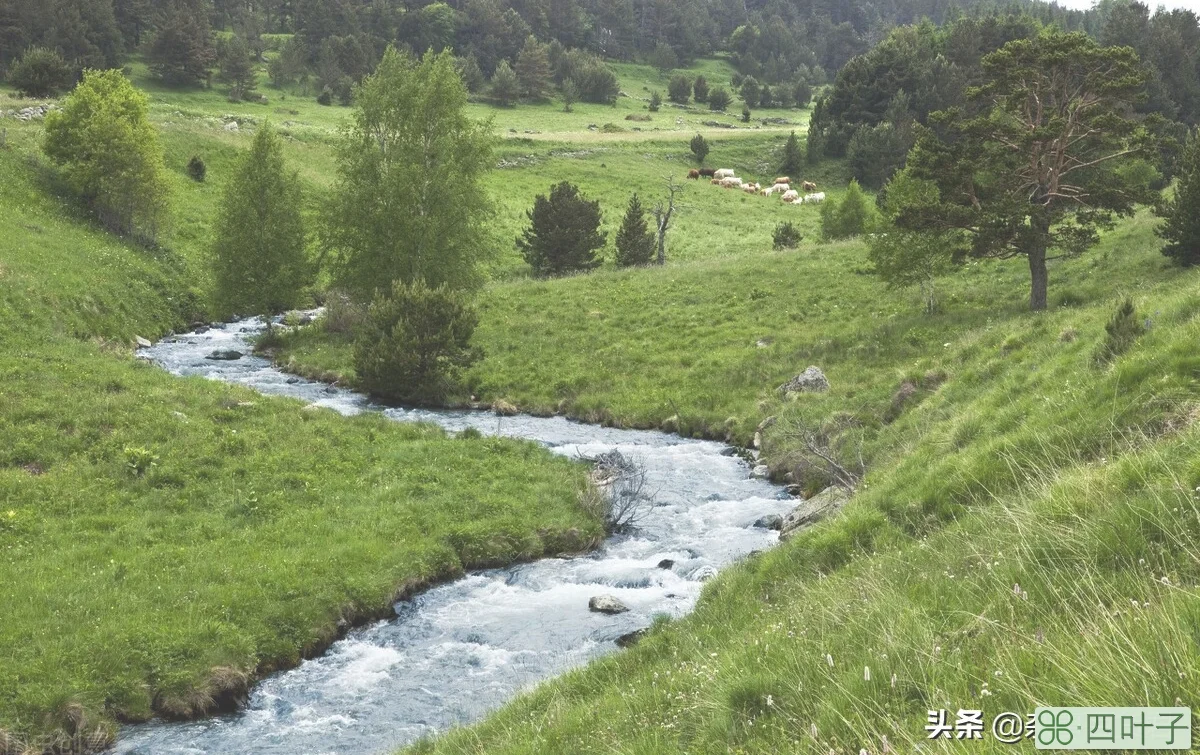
(725, 178)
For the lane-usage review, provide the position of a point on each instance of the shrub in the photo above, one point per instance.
(802, 93)
(414, 342)
(40, 72)
(679, 89)
(745, 114)
(655, 101)
(570, 95)
(139, 460)
(851, 217)
(325, 97)
(699, 147)
(506, 88)
(597, 83)
(1120, 333)
(749, 90)
(786, 236)
(719, 99)
(700, 89)
(197, 169)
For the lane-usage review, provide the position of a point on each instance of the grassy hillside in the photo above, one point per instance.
(163, 541)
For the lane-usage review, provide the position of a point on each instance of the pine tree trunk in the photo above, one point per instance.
(1038, 277)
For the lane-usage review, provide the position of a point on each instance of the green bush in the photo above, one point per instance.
(679, 89)
(786, 236)
(699, 147)
(1120, 333)
(196, 168)
(414, 342)
(40, 72)
(719, 99)
(850, 217)
(655, 101)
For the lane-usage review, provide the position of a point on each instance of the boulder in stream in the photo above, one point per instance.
(666, 563)
(606, 604)
(225, 355)
(142, 343)
(630, 639)
(770, 522)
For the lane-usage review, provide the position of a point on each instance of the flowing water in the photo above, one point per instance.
(460, 650)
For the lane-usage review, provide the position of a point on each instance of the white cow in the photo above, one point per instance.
(791, 195)
(724, 173)
(730, 182)
(777, 188)
(817, 198)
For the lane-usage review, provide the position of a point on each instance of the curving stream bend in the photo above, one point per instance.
(462, 649)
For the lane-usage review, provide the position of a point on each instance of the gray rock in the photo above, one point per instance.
(630, 639)
(231, 126)
(770, 522)
(142, 343)
(760, 471)
(606, 604)
(812, 380)
(666, 563)
(293, 380)
(828, 501)
(226, 355)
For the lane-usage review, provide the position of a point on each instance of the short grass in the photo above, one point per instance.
(163, 541)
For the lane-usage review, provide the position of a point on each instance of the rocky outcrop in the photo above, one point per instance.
(828, 501)
(812, 380)
(225, 355)
(606, 604)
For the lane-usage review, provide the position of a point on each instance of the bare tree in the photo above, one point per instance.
(832, 450)
(662, 217)
(622, 480)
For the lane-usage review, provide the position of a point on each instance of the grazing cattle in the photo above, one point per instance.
(776, 188)
(791, 195)
(731, 181)
(782, 180)
(751, 188)
(724, 173)
(714, 181)
(809, 187)
(694, 174)
(707, 172)
(817, 198)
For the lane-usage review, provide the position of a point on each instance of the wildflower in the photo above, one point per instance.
(829, 660)
(998, 673)
(893, 681)
(866, 673)
(1165, 581)
(812, 729)
(770, 702)
(1016, 588)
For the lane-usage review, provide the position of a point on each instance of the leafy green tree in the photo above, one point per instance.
(679, 89)
(258, 246)
(182, 52)
(236, 69)
(40, 72)
(699, 147)
(563, 233)
(597, 83)
(655, 101)
(570, 95)
(506, 88)
(766, 98)
(749, 90)
(904, 259)
(415, 341)
(1181, 230)
(408, 202)
(719, 99)
(700, 89)
(109, 153)
(635, 240)
(793, 157)
(1046, 161)
(663, 57)
(802, 93)
(850, 217)
(533, 69)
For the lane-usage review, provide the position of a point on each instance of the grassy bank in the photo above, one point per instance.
(164, 541)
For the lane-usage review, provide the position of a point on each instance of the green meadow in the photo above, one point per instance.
(1024, 531)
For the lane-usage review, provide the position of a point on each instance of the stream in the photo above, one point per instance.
(460, 650)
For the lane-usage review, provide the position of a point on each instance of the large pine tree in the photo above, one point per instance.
(1182, 229)
(563, 233)
(182, 51)
(635, 241)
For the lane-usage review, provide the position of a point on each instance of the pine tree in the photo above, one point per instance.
(700, 89)
(699, 147)
(1181, 230)
(563, 233)
(793, 157)
(570, 95)
(850, 217)
(655, 101)
(181, 52)
(506, 89)
(635, 240)
(679, 88)
(236, 68)
(259, 241)
(40, 73)
(533, 69)
(719, 99)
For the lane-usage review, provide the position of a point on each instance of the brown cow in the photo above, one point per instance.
(708, 172)
(694, 174)
(809, 186)
(714, 181)
(783, 180)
